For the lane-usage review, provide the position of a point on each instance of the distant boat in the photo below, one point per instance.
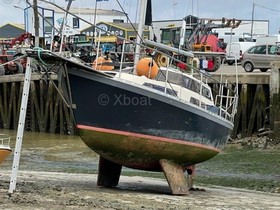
(5, 149)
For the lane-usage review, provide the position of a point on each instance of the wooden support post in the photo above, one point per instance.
(275, 101)
(15, 110)
(244, 104)
(32, 108)
(257, 111)
(236, 121)
(108, 173)
(175, 177)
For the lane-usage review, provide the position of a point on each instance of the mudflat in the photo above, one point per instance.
(58, 190)
(60, 172)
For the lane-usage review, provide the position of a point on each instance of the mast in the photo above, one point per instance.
(252, 24)
(65, 16)
(62, 27)
(142, 15)
(36, 23)
(183, 34)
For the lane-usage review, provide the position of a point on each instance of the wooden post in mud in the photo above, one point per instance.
(275, 102)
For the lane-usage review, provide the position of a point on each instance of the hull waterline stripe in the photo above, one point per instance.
(138, 135)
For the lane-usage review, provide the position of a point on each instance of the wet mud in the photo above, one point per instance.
(60, 172)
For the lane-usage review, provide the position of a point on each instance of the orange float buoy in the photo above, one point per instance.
(103, 64)
(147, 67)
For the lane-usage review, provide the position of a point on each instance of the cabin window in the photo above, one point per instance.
(161, 89)
(173, 78)
(76, 23)
(181, 80)
(118, 21)
(206, 92)
(165, 36)
(195, 86)
(197, 102)
(47, 24)
(229, 33)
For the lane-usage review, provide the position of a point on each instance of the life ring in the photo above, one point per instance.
(195, 63)
(162, 60)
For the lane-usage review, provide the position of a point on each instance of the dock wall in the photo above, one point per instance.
(258, 106)
(46, 111)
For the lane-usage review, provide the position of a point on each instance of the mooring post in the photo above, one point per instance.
(274, 116)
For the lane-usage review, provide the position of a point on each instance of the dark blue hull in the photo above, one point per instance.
(106, 103)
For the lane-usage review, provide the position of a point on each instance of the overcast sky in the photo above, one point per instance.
(169, 9)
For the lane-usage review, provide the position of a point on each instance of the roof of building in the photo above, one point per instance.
(16, 25)
(124, 26)
(76, 10)
(127, 26)
(11, 30)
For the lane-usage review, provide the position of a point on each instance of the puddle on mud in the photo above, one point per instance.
(52, 152)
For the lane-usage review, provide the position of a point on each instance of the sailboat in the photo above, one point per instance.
(5, 149)
(145, 117)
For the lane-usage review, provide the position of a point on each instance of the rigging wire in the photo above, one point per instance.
(129, 8)
(274, 10)
(129, 20)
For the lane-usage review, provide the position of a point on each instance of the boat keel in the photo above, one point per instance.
(108, 173)
(175, 177)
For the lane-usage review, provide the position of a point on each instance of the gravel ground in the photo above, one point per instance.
(53, 190)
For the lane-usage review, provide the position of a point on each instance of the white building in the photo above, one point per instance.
(260, 27)
(52, 16)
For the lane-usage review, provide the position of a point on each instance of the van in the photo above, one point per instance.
(268, 39)
(234, 50)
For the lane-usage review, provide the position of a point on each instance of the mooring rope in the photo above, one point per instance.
(39, 50)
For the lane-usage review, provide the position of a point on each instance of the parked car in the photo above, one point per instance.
(235, 50)
(260, 57)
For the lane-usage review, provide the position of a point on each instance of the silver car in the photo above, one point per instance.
(259, 57)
